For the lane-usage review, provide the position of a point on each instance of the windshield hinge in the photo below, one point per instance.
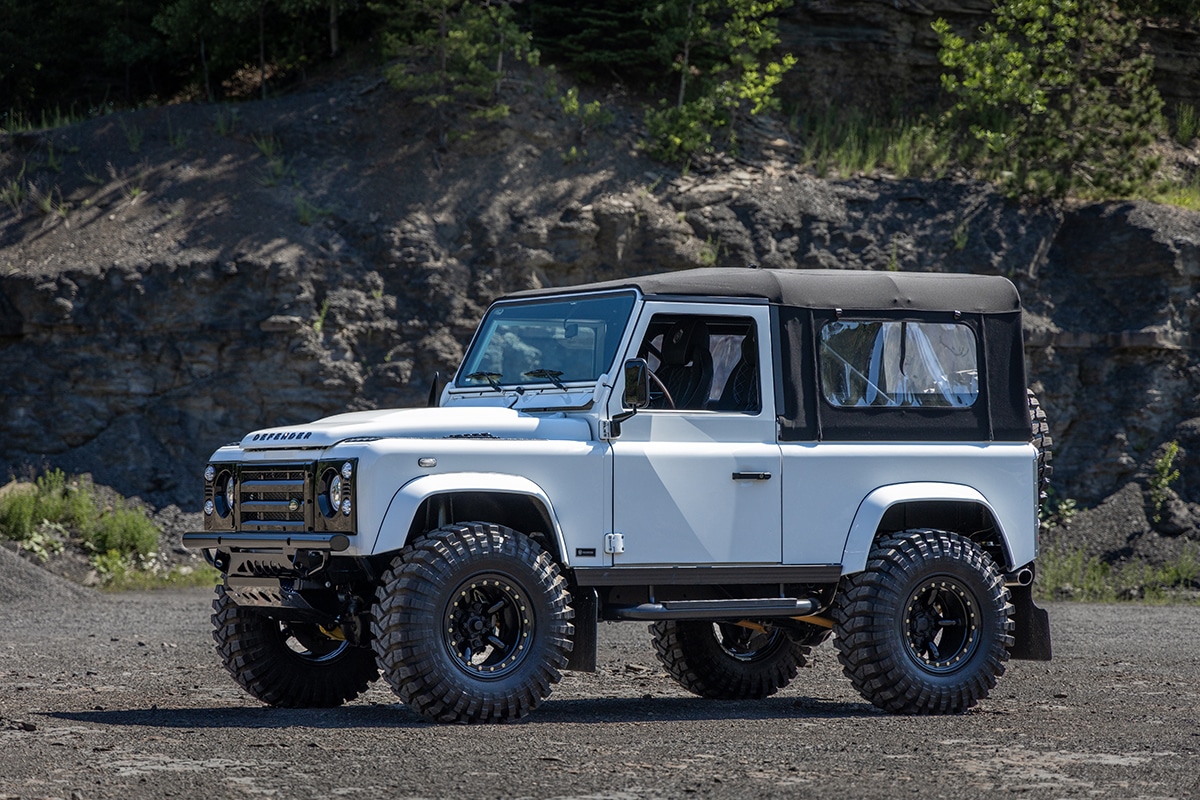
(611, 428)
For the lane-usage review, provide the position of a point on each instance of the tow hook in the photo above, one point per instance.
(308, 562)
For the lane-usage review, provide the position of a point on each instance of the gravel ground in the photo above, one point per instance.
(122, 696)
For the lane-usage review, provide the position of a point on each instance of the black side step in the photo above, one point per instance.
(721, 609)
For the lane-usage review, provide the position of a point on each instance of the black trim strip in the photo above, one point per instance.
(706, 576)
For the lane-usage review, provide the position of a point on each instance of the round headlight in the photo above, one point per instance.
(209, 507)
(223, 493)
(346, 507)
(347, 470)
(329, 492)
(210, 472)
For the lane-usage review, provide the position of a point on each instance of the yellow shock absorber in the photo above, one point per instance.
(333, 633)
(823, 622)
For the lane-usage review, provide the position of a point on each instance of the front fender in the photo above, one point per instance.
(394, 528)
(875, 505)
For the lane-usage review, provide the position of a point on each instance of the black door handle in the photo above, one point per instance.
(752, 476)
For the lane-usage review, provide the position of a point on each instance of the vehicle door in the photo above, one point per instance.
(696, 477)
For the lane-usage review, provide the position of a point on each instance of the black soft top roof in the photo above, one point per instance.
(824, 288)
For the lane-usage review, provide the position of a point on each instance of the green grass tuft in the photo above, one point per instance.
(1067, 574)
(850, 143)
(120, 573)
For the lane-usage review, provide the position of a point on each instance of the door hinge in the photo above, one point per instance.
(614, 543)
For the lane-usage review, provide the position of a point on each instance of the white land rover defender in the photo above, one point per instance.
(747, 459)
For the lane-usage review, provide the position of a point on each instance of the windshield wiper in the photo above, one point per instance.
(493, 379)
(551, 375)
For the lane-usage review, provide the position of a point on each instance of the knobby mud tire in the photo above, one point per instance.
(725, 661)
(915, 583)
(472, 623)
(319, 672)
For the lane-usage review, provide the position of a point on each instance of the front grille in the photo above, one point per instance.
(284, 497)
(275, 497)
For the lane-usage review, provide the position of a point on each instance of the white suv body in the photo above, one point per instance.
(746, 458)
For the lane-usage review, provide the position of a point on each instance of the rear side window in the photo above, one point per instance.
(898, 363)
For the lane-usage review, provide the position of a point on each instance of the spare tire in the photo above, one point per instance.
(1040, 438)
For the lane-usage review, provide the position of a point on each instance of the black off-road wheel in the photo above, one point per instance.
(288, 664)
(472, 623)
(725, 660)
(926, 628)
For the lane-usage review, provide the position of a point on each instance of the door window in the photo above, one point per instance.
(703, 363)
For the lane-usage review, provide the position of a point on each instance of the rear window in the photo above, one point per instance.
(898, 363)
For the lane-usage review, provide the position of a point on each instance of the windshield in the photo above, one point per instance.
(551, 341)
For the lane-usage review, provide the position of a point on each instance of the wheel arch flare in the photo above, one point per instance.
(432, 501)
(924, 504)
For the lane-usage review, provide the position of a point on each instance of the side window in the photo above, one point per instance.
(703, 363)
(898, 363)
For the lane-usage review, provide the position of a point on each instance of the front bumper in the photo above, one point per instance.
(289, 576)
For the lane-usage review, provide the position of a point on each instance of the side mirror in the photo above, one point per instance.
(435, 391)
(637, 384)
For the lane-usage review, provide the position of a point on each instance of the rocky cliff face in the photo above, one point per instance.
(141, 329)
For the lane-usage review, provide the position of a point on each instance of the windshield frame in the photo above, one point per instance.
(475, 359)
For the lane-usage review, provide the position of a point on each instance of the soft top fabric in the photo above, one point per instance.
(852, 290)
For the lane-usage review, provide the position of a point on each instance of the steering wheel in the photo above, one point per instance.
(658, 382)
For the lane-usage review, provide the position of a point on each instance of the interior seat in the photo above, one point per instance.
(741, 392)
(687, 365)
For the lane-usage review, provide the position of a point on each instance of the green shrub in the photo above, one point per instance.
(17, 510)
(1187, 124)
(52, 498)
(56, 506)
(125, 530)
(678, 134)
(1163, 476)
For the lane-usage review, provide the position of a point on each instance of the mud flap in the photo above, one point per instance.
(586, 604)
(1032, 633)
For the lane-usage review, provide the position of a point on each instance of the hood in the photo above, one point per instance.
(419, 423)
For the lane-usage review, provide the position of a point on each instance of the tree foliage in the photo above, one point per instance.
(1182, 10)
(87, 58)
(452, 53)
(1058, 93)
(720, 52)
(598, 42)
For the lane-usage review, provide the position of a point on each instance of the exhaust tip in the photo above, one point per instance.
(1022, 577)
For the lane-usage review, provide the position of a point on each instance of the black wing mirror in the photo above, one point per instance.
(637, 384)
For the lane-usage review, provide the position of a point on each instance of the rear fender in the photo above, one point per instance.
(873, 507)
